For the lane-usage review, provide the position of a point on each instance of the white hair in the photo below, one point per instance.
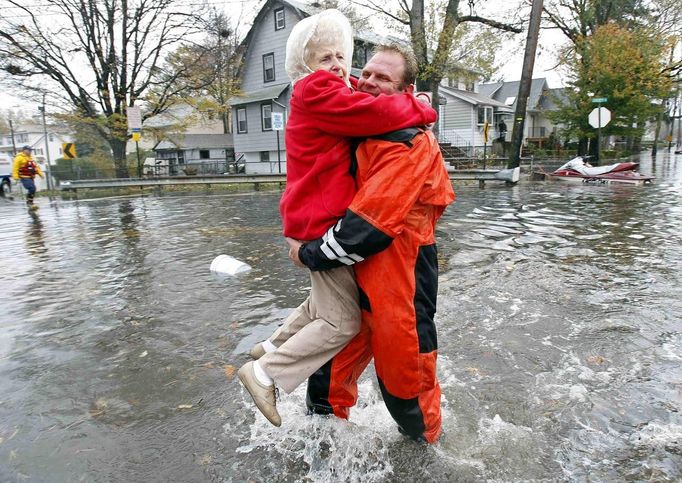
(325, 29)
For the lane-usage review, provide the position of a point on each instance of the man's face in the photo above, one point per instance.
(383, 74)
(27, 152)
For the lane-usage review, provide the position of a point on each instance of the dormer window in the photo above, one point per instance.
(279, 19)
(269, 67)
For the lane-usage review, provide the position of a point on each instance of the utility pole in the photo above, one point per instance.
(11, 131)
(524, 85)
(47, 146)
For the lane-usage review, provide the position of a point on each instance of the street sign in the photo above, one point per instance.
(599, 117)
(136, 136)
(599, 100)
(134, 118)
(277, 121)
(68, 150)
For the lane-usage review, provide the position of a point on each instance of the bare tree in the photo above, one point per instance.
(211, 65)
(433, 54)
(99, 56)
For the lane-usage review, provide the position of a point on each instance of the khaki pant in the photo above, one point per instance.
(317, 330)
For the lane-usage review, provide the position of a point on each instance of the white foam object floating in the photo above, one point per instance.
(227, 265)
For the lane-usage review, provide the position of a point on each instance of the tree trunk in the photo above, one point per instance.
(118, 148)
(435, 103)
(525, 84)
(637, 143)
(657, 133)
(582, 146)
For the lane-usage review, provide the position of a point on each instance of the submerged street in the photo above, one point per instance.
(560, 341)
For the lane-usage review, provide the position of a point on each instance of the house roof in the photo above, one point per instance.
(553, 99)
(195, 141)
(474, 98)
(303, 7)
(503, 91)
(266, 94)
(173, 115)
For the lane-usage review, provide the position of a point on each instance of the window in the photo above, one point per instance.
(265, 156)
(21, 138)
(266, 116)
(279, 19)
(50, 137)
(485, 114)
(269, 67)
(241, 120)
(204, 154)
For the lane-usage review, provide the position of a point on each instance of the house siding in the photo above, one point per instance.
(457, 117)
(265, 39)
(256, 139)
(255, 166)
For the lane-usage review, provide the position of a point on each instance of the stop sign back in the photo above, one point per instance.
(599, 117)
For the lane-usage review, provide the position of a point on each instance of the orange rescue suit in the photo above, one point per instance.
(403, 188)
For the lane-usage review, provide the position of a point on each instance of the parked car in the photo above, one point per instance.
(5, 176)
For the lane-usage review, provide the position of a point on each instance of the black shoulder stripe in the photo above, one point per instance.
(400, 136)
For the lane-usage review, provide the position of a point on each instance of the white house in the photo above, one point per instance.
(33, 135)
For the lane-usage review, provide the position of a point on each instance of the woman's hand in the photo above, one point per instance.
(294, 246)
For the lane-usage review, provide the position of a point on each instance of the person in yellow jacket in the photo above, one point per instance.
(25, 170)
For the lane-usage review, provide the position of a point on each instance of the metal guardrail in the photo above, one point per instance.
(480, 175)
(73, 185)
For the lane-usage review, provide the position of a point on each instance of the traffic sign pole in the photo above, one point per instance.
(277, 119)
(598, 118)
(599, 137)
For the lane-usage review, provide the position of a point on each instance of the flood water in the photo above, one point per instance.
(559, 331)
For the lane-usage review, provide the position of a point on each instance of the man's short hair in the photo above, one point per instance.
(411, 67)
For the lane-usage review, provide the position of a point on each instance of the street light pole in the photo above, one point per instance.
(47, 146)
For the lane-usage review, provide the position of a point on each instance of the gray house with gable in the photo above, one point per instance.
(265, 87)
(541, 100)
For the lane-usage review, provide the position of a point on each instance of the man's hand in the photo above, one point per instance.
(294, 245)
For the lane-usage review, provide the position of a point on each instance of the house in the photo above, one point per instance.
(541, 100)
(33, 135)
(462, 117)
(266, 89)
(193, 154)
(265, 86)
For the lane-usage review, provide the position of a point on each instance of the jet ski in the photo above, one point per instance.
(578, 170)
